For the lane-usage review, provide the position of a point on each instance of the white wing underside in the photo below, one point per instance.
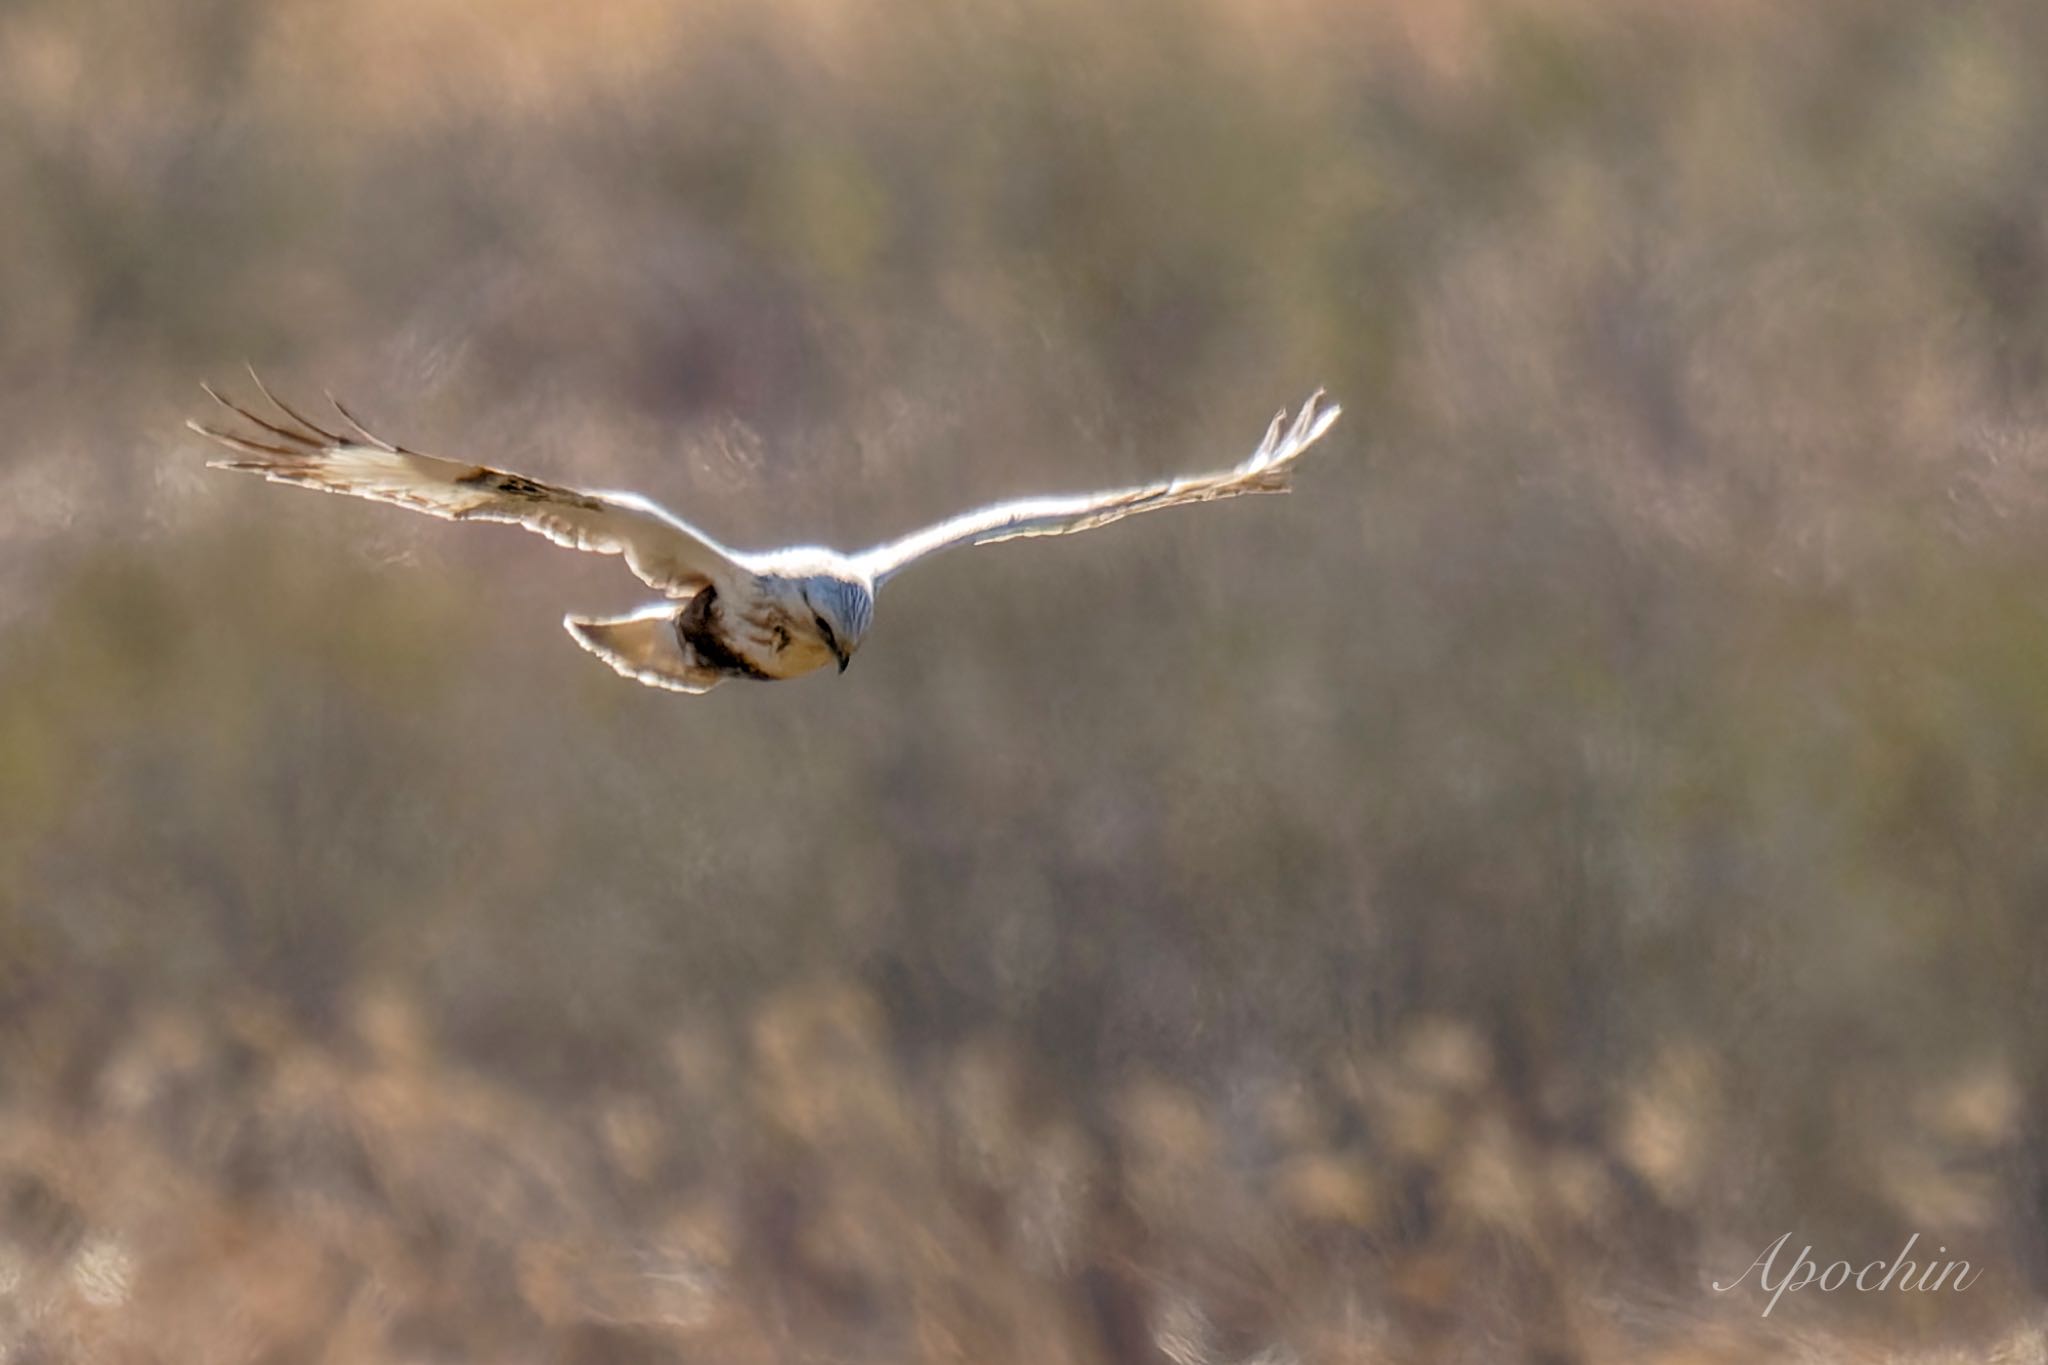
(664, 551)
(1266, 470)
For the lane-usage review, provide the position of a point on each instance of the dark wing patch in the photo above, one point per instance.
(489, 480)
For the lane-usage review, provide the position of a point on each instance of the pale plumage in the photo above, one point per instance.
(729, 613)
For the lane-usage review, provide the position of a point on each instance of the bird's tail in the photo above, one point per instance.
(645, 646)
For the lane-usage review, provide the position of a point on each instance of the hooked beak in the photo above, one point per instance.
(841, 655)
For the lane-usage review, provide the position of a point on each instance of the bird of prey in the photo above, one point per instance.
(726, 613)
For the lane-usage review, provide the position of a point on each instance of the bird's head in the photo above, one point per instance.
(842, 607)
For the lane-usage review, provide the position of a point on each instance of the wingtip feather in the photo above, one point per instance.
(1324, 421)
(318, 432)
(378, 441)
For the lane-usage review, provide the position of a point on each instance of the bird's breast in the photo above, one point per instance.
(760, 641)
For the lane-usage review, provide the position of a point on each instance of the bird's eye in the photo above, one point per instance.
(831, 640)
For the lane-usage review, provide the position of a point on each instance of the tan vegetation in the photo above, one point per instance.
(1454, 914)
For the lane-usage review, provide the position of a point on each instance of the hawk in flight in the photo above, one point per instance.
(726, 613)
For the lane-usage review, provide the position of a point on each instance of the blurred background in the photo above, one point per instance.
(1454, 914)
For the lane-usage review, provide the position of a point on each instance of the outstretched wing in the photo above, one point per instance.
(664, 551)
(1265, 470)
